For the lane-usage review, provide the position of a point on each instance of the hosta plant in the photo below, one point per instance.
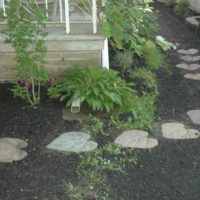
(100, 88)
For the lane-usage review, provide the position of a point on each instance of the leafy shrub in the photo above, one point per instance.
(145, 81)
(128, 24)
(100, 88)
(124, 60)
(152, 56)
(26, 33)
(182, 8)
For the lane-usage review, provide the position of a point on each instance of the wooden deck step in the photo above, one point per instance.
(63, 51)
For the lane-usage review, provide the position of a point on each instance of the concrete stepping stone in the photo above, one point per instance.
(194, 116)
(190, 58)
(136, 139)
(193, 20)
(188, 51)
(188, 66)
(195, 76)
(73, 142)
(178, 131)
(18, 143)
(9, 153)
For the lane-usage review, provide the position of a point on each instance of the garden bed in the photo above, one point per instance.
(169, 171)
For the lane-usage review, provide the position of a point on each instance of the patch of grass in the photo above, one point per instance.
(170, 3)
(153, 58)
(92, 170)
(182, 8)
(141, 117)
(145, 81)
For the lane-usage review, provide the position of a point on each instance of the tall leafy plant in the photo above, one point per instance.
(128, 24)
(26, 33)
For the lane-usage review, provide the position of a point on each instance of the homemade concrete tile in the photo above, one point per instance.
(190, 58)
(18, 143)
(194, 116)
(136, 139)
(193, 20)
(188, 66)
(195, 76)
(69, 116)
(9, 153)
(73, 142)
(178, 131)
(188, 51)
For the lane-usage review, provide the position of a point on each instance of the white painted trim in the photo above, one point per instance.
(67, 16)
(105, 55)
(94, 16)
(61, 10)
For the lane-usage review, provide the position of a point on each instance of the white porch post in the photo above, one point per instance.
(67, 16)
(105, 55)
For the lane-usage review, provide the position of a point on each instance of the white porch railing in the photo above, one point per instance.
(61, 11)
(87, 8)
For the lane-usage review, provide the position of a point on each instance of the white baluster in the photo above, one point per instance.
(46, 6)
(4, 8)
(67, 16)
(94, 16)
(61, 14)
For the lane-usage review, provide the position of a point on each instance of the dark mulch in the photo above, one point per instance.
(168, 172)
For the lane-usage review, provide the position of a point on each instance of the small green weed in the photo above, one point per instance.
(109, 157)
(74, 193)
(170, 3)
(92, 170)
(93, 126)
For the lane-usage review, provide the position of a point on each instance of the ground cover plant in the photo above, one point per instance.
(26, 33)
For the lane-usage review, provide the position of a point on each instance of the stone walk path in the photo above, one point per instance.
(190, 61)
(10, 149)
